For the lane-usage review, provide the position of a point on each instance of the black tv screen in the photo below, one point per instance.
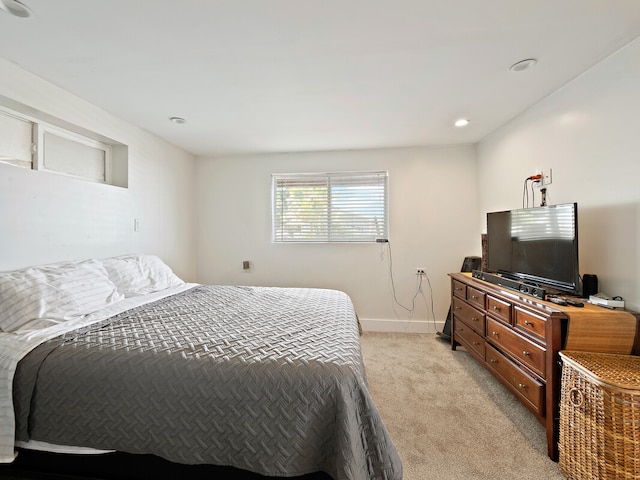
(536, 245)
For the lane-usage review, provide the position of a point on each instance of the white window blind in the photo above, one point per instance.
(75, 155)
(330, 207)
(15, 140)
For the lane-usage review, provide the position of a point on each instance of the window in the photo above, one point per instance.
(330, 207)
(65, 152)
(15, 140)
(37, 141)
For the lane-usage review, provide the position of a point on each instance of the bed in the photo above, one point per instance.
(121, 355)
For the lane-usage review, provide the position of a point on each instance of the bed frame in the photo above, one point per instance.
(36, 465)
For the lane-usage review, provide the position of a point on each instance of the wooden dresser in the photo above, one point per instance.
(517, 338)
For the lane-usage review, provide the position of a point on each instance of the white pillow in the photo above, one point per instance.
(53, 293)
(140, 274)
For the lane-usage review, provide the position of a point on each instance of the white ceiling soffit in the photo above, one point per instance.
(297, 75)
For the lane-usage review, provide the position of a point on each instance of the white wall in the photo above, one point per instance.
(47, 218)
(433, 224)
(587, 132)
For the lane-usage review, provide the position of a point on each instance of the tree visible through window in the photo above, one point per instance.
(330, 207)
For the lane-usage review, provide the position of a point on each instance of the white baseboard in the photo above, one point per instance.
(401, 326)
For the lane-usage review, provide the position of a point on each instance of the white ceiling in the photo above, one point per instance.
(301, 75)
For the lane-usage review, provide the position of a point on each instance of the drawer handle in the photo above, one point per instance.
(493, 360)
(474, 319)
(458, 289)
(496, 308)
(457, 308)
(459, 329)
(525, 353)
(576, 397)
(527, 323)
(474, 297)
(495, 334)
(476, 343)
(522, 386)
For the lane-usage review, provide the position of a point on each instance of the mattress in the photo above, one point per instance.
(266, 379)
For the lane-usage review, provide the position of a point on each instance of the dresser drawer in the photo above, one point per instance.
(523, 349)
(459, 289)
(471, 316)
(499, 308)
(527, 388)
(476, 297)
(469, 339)
(530, 323)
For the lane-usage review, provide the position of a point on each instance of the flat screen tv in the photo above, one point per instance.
(538, 246)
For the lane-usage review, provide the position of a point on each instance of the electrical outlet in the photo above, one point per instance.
(420, 271)
(547, 178)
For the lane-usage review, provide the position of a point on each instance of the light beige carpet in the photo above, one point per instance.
(448, 417)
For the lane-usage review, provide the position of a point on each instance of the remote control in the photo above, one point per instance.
(575, 303)
(557, 300)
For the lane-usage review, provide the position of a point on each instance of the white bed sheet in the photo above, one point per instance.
(14, 346)
(53, 448)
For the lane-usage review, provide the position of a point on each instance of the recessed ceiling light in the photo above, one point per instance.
(177, 120)
(16, 8)
(523, 65)
(463, 122)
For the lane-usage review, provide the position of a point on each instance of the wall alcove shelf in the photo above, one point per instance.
(517, 338)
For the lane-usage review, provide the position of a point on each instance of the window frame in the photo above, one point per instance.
(39, 159)
(326, 221)
(115, 155)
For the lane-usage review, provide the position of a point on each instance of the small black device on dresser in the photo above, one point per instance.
(589, 285)
(565, 301)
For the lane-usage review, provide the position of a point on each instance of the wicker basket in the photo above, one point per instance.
(600, 416)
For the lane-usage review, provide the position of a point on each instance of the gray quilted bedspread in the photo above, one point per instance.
(265, 379)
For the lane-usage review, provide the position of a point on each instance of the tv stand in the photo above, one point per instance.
(517, 338)
(502, 281)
